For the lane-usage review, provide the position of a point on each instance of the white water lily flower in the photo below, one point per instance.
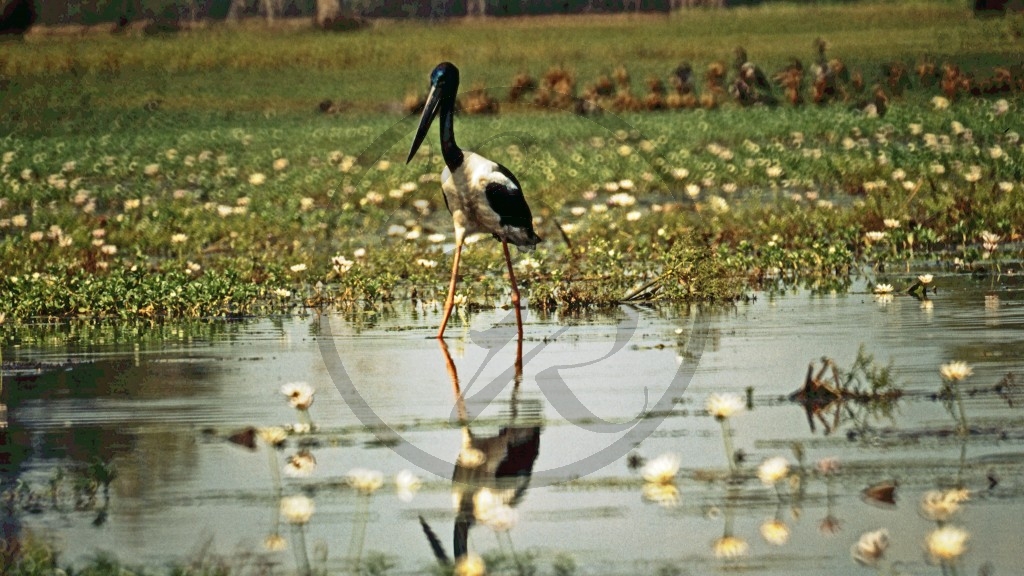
(661, 470)
(275, 543)
(491, 508)
(723, 406)
(272, 435)
(772, 470)
(947, 543)
(470, 565)
(297, 509)
(407, 485)
(300, 465)
(365, 481)
(730, 547)
(941, 505)
(300, 394)
(775, 532)
(501, 518)
(666, 495)
(622, 199)
(341, 265)
(871, 546)
(955, 371)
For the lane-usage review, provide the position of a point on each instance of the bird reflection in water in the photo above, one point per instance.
(491, 473)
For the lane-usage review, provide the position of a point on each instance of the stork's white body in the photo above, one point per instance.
(463, 190)
(465, 194)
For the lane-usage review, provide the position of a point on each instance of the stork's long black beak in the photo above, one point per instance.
(429, 113)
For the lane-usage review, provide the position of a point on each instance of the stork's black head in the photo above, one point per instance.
(444, 85)
(445, 75)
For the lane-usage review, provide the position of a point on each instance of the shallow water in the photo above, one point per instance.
(160, 412)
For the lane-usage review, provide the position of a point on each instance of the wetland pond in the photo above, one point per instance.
(154, 447)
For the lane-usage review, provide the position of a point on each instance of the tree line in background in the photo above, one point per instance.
(88, 12)
(17, 16)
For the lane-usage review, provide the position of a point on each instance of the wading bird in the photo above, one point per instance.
(482, 195)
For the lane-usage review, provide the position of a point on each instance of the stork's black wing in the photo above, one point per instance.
(508, 201)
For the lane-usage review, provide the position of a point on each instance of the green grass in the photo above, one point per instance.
(253, 69)
(168, 137)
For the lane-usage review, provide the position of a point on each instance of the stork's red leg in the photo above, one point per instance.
(515, 289)
(449, 302)
(453, 375)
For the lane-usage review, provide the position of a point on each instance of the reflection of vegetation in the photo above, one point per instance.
(135, 331)
(730, 547)
(33, 556)
(863, 393)
(1009, 390)
(376, 564)
(76, 489)
(512, 563)
(527, 563)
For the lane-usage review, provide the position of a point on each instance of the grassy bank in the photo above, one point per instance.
(190, 176)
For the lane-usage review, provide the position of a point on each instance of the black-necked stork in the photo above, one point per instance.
(482, 195)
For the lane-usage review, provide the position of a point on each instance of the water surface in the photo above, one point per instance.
(160, 411)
